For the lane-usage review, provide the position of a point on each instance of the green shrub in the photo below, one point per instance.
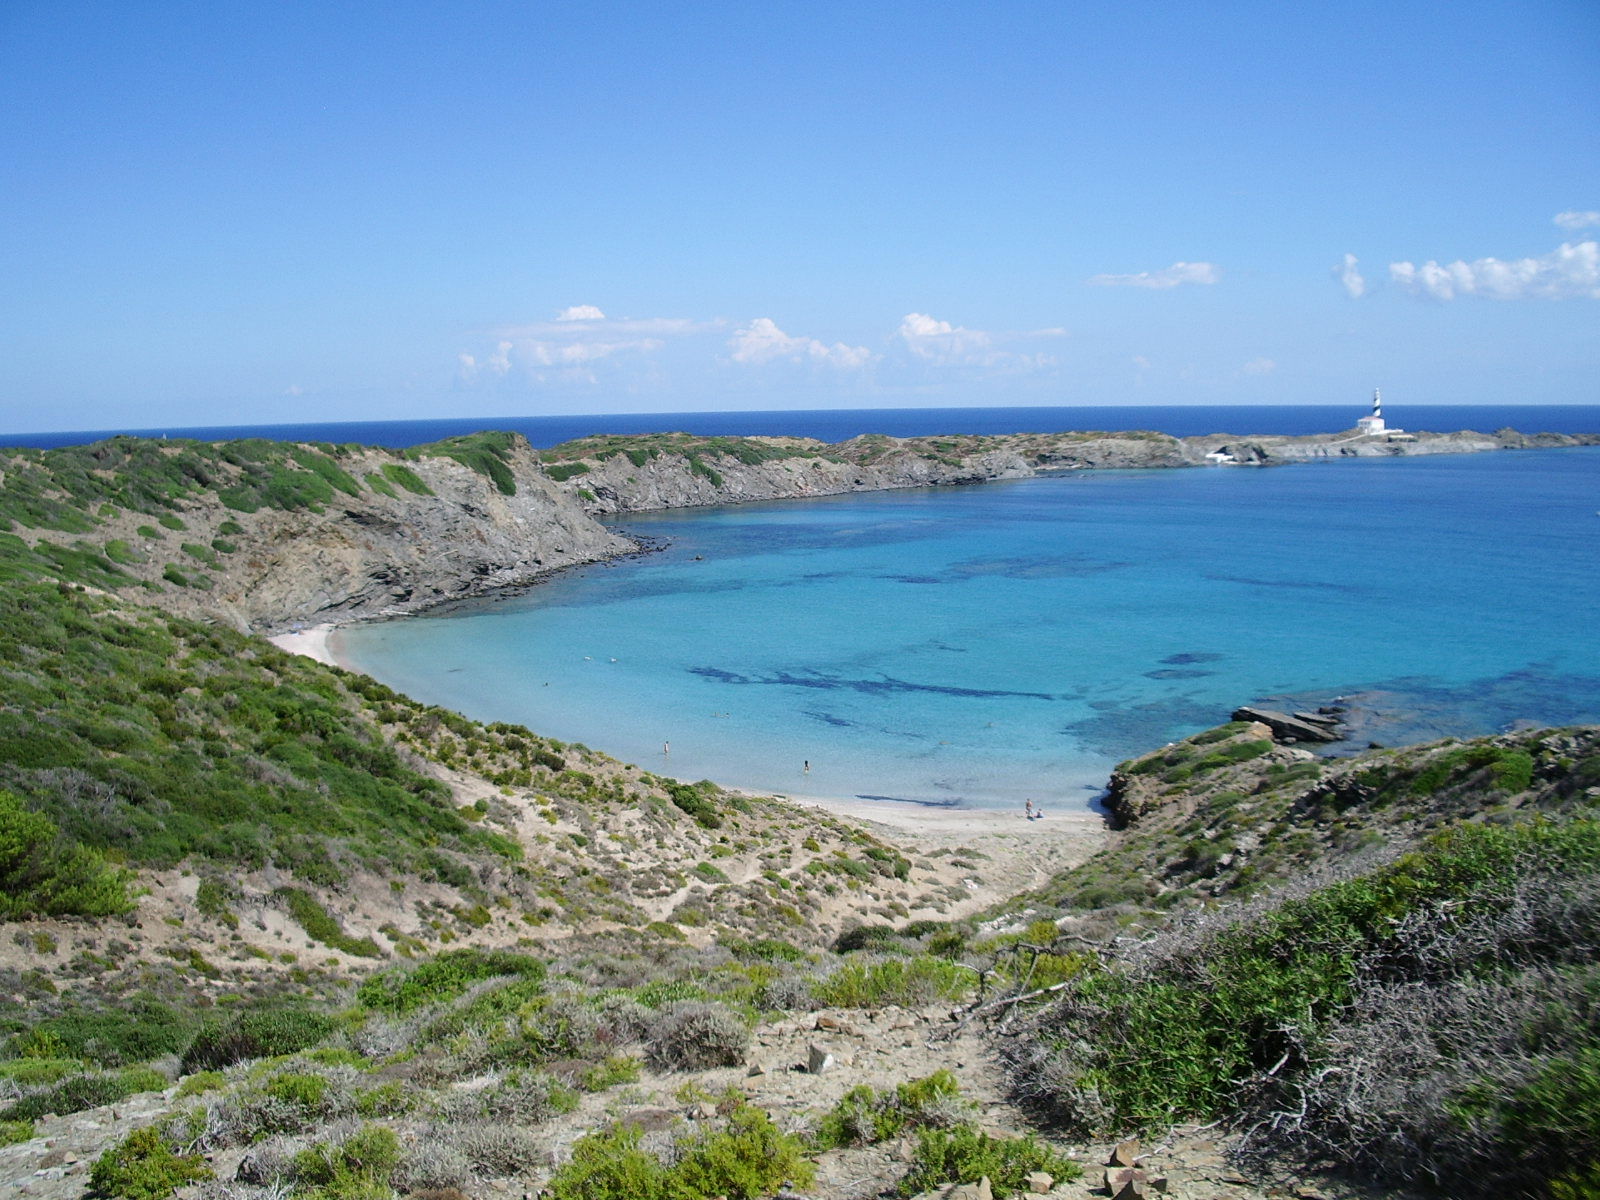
(865, 1115)
(79, 1092)
(386, 1100)
(381, 485)
(484, 453)
(42, 874)
(360, 1165)
(1159, 1045)
(866, 937)
(34, 1072)
(747, 1159)
(610, 1166)
(140, 1029)
(200, 1083)
(619, 1068)
(13, 1132)
(1548, 1127)
(965, 1155)
(406, 478)
(910, 982)
(262, 1033)
(144, 1167)
(172, 521)
(561, 472)
(303, 1090)
(320, 925)
(443, 978)
(695, 799)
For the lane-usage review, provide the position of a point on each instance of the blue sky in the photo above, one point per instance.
(256, 212)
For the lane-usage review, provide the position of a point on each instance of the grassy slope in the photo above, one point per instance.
(57, 505)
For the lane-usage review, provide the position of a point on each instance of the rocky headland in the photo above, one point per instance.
(270, 539)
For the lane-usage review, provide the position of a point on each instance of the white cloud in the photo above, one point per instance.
(1572, 220)
(943, 344)
(1570, 271)
(1346, 273)
(940, 341)
(1259, 366)
(565, 347)
(762, 342)
(1167, 277)
(294, 389)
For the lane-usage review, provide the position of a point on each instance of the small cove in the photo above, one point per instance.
(978, 646)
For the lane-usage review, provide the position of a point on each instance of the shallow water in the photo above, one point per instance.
(981, 645)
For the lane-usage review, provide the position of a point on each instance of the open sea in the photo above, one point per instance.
(977, 646)
(835, 425)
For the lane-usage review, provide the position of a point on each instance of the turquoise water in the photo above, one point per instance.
(980, 645)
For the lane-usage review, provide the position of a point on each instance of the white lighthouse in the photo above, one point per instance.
(1373, 422)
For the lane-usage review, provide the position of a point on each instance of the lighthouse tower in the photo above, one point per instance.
(1373, 423)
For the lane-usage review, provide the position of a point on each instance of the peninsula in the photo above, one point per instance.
(272, 537)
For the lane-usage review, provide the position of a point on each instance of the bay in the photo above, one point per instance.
(978, 646)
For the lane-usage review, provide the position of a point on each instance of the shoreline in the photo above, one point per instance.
(314, 642)
(942, 823)
(992, 854)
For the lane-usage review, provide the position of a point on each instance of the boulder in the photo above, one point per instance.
(1284, 726)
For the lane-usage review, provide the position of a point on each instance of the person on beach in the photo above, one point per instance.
(1027, 809)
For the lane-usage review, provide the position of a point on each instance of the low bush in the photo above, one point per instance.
(443, 978)
(13, 1132)
(694, 1036)
(262, 1033)
(965, 1155)
(144, 1167)
(910, 982)
(140, 1030)
(865, 1115)
(320, 926)
(749, 1157)
(359, 1165)
(79, 1092)
(44, 875)
(1424, 1021)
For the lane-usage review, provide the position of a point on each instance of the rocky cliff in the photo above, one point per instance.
(636, 474)
(266, 536)
(611, 475)
(269, 535)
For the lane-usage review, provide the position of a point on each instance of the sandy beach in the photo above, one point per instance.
(1017, 854)
(315, 642)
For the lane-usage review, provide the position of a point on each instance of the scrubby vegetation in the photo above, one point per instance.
(1402, 1022)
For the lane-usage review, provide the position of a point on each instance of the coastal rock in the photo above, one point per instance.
(1285, 727)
